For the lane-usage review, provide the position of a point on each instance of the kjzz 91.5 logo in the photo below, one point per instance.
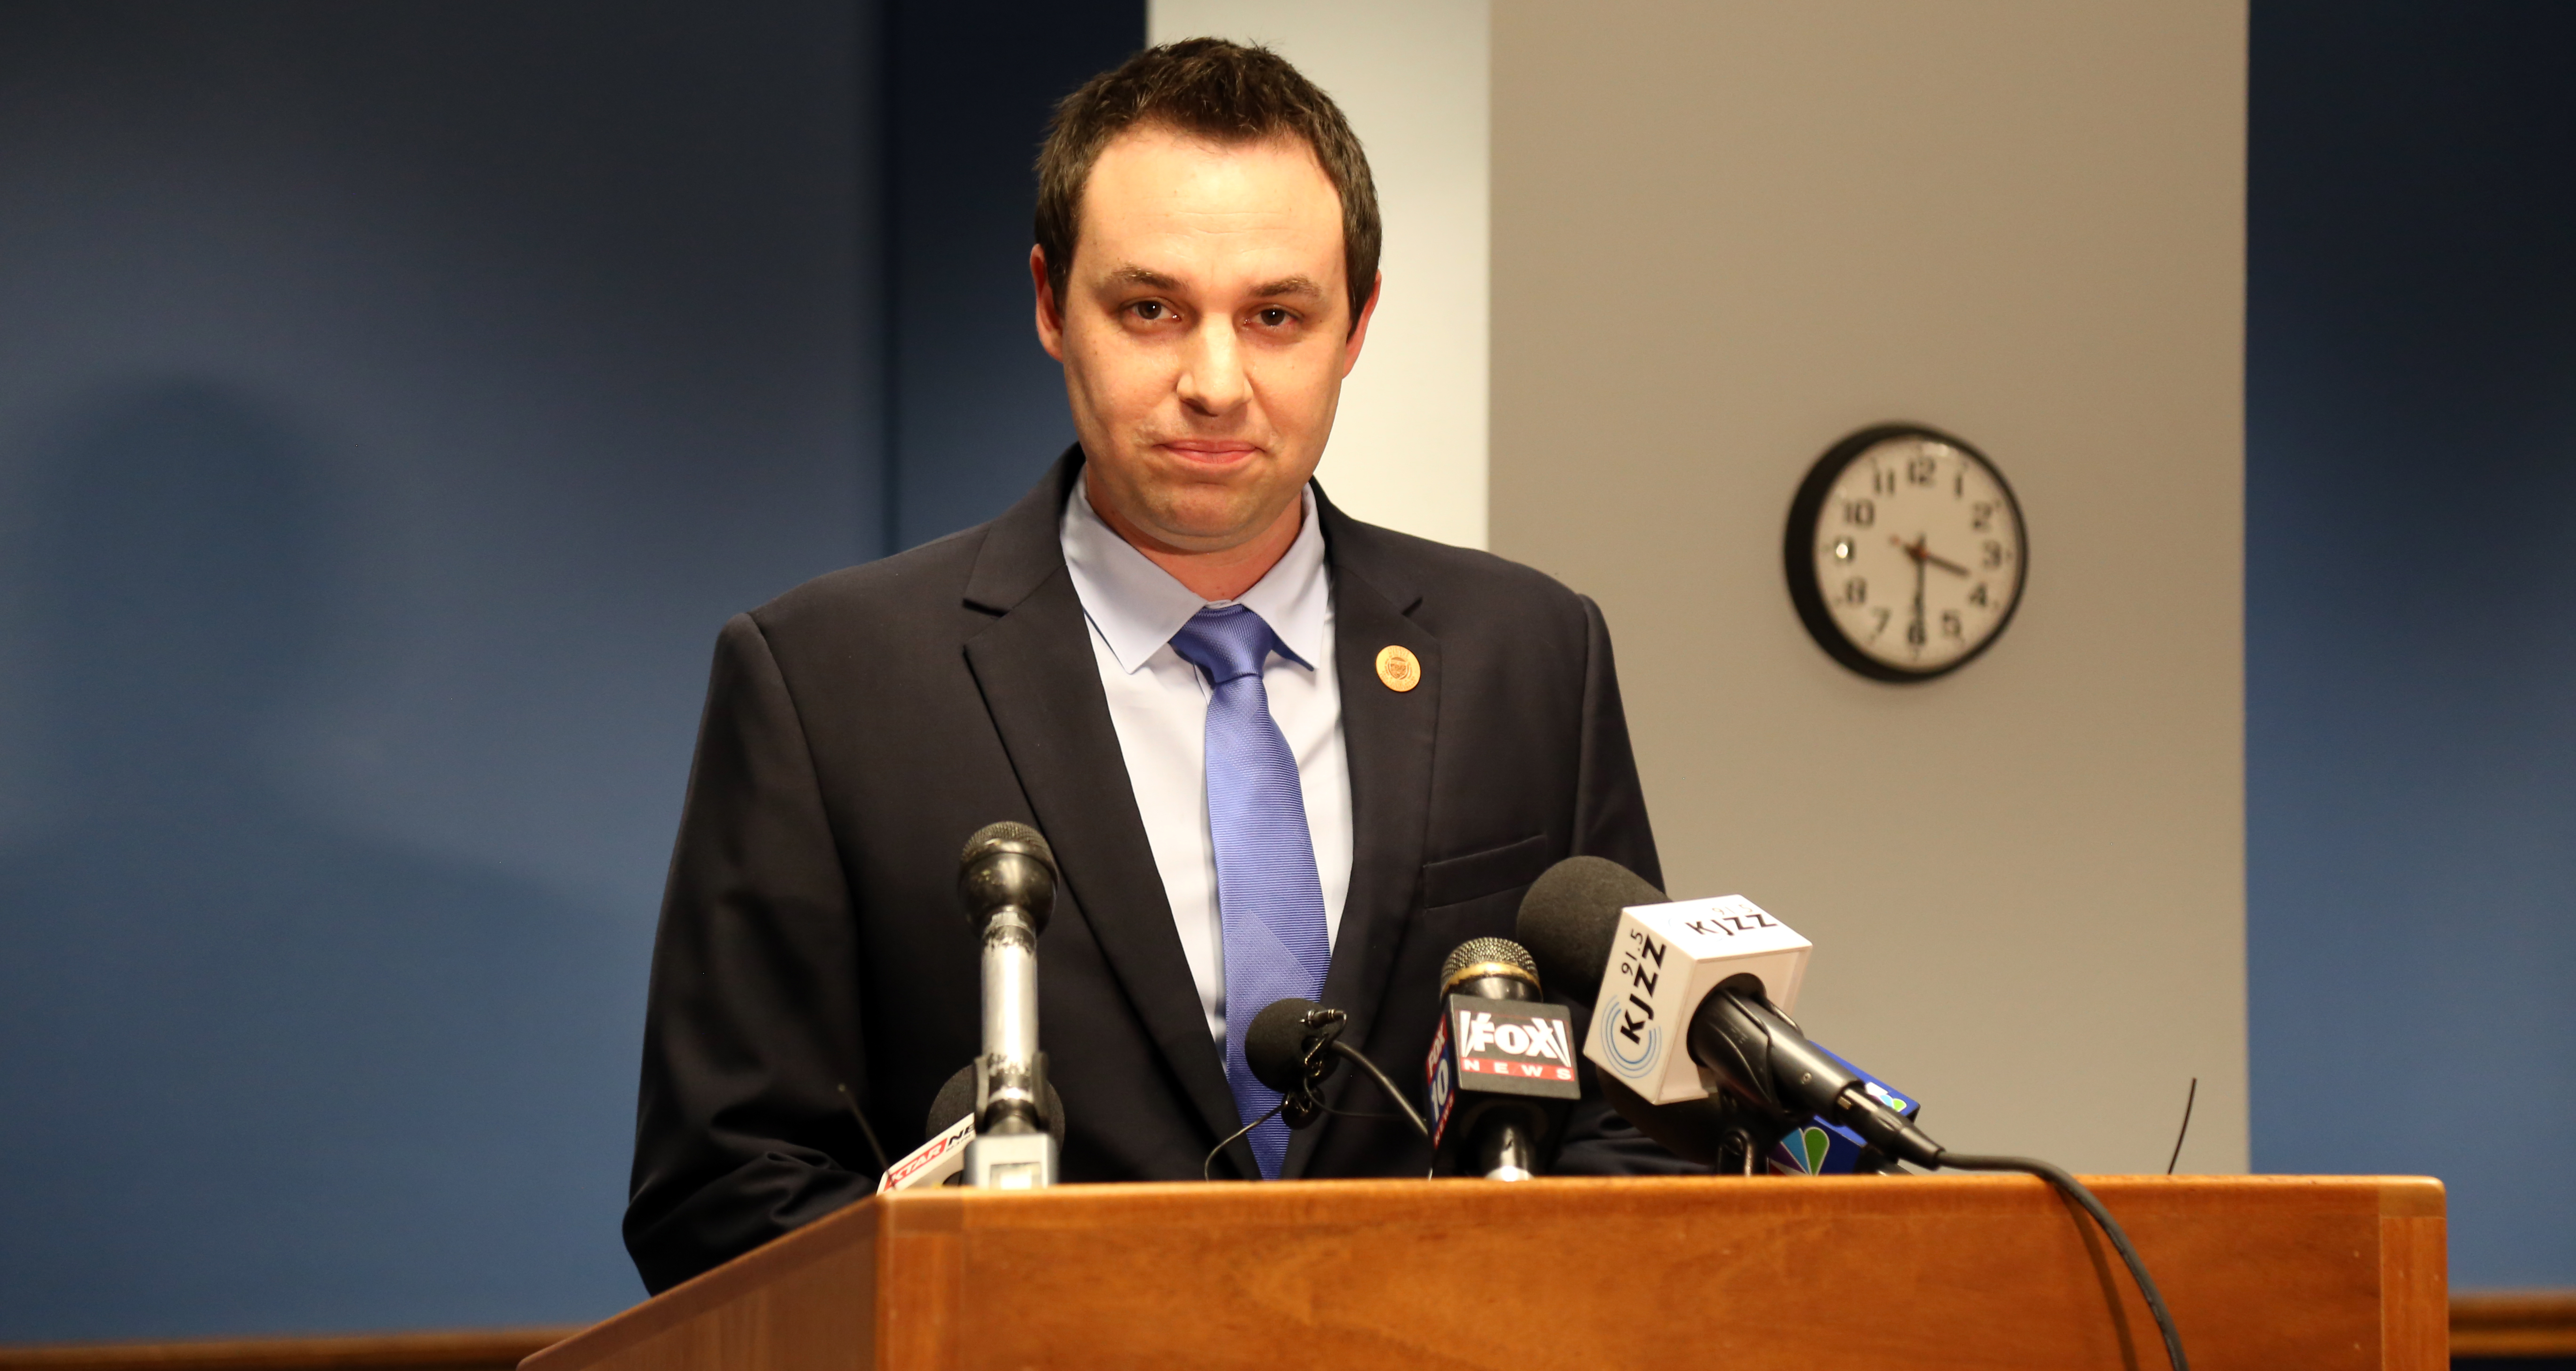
(1629, 1035)
(1731, 924)
(1642, 962)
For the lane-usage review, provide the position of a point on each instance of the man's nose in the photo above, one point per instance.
(1212, 379)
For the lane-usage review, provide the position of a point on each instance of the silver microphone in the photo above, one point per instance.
(1007, 878)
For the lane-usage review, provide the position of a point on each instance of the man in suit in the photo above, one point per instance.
(1276, 751)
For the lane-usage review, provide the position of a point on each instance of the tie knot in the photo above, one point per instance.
(1227, 644)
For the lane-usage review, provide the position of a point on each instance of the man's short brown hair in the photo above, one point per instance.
(1217, 90)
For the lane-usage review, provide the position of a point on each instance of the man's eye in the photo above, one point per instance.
(1151, 310)
(1273, 317)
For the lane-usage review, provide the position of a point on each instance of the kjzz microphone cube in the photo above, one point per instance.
(1665, 959)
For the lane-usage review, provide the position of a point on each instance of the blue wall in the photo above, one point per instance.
(394, 398)
(2411, 610)
(978, 407)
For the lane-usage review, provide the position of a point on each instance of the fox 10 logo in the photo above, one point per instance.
(1444, 1086)
(1498, 1047)
(1523, 1044)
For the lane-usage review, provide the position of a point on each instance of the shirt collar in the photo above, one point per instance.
(1138, 606)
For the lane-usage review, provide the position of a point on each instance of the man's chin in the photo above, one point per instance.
(1209, 526)
(1202, 534)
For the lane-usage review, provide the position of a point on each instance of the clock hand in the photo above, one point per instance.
(1917, 637)
(1921, 553)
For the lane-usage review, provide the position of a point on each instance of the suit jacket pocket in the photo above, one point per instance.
(1494, 871)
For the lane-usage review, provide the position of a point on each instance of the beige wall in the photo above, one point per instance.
(1408, 447)
(1725, 235)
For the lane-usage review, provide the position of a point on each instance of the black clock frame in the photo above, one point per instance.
(1798, 553)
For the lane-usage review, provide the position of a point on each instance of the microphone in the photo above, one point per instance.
(1289, 1048)
(1687, 982)
(1568, 921)
(1293, 1047)
(1007, 878)
(1818, 1148)
(1761, 1055)
(950, 1127)
(1686, 1002)
(1501, 1069)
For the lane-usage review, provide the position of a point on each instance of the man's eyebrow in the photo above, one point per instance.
(1132, 275)
(1300, 287)
(1286, 287)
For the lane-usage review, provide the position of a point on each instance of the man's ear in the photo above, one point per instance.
(1050, 314)
(1359, 326)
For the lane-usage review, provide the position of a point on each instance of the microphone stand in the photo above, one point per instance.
(1007, 878)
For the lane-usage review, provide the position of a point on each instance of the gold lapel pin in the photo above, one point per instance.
(1399, 668)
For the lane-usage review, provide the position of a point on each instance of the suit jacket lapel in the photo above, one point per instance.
(1387, 735)
(1041, 686)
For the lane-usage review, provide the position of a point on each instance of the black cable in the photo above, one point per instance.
(1344, 1049)
(2075, 1191)
(1207, 1168)
(1742, 1139)
(2185, 1130)
(883, 1166)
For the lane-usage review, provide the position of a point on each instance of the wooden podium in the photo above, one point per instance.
(2262, 1273)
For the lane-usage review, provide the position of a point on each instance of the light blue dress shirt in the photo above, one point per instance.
(1159, 705)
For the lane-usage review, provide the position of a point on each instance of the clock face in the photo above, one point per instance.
(1905, 553)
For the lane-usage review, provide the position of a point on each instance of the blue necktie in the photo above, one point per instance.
(1268, 896)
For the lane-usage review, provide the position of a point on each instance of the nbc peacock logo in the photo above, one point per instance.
(1802, 1152)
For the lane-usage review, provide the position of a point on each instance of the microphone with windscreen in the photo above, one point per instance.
(1686, 991)
(1290, 1049)
(1570, 917)
(1293, 1047)
(1687, 987)
(1562, 924)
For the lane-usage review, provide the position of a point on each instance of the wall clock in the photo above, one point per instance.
(1905, 553)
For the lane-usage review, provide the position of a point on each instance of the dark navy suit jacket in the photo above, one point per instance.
(859, 727)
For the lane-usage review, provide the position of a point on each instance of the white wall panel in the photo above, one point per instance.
(1727, 234)
(1408, 448)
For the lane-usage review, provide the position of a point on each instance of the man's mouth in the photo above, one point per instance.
(1209, 451)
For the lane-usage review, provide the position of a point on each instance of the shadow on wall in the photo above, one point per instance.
(252, 1057)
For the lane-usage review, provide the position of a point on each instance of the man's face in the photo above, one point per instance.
(1205, 331)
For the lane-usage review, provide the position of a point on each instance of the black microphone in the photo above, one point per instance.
(1293, 1047)
(1765, 1059)
(1501, 1071)
(1289, 1048)
(1007, 879)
